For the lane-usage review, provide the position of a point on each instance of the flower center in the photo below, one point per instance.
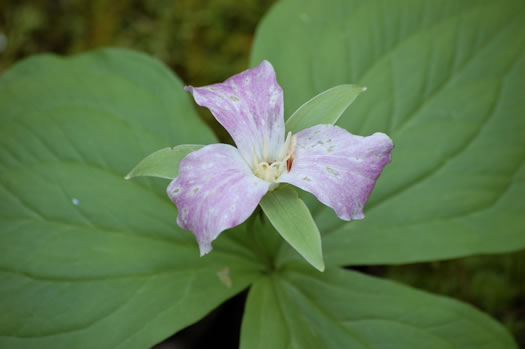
(270, 171)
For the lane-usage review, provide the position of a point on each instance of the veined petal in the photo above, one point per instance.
(339, 168)
(250, 107)
(215, 190)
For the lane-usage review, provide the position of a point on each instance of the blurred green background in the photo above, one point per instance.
(205, 42)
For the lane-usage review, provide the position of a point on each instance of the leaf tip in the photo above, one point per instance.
(319, 265)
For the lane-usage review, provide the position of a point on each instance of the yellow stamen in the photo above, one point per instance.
(255, 160)
(286, 145)
(291, 148)
(265, 148)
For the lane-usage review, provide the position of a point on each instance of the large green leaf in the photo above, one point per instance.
(87, 259)
(345, 309)
(445, 80)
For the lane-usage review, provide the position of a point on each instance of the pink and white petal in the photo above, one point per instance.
(339, 168)
(215, 190)
(250, 107)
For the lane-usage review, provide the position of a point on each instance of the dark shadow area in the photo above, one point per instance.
(218, 329)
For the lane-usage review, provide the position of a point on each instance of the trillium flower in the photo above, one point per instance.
(219, 186)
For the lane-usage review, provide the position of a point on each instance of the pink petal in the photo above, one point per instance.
(340, 169)
(215, 190)
(250, 107)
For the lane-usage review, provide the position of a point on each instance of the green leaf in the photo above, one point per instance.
(325, 108)
(292, 219)
(445, 81)
(346, 309)
(88, 259)
(163, 163)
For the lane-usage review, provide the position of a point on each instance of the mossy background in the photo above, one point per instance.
(205, 42)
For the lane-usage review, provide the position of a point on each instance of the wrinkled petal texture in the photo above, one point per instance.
(250, 107)
(215, 190)
(339, 168)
